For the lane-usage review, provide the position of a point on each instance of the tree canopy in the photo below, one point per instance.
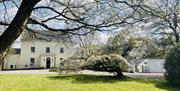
(80, 17)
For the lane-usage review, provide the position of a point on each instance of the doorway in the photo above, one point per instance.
(48, 62)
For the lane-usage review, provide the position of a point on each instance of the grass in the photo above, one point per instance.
(44, 82)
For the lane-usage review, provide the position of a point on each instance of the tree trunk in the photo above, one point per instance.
(2, 60)
(119, 74)
(1, 65)
(16, 27)
(177, 36)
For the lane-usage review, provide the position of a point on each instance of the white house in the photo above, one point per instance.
(38, 53)
(150, 66)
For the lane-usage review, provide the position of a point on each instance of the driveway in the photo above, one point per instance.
(46, 71)
(146, 75)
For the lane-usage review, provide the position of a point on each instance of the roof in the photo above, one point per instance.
(16, 50)
(139, 61)
(44, 36)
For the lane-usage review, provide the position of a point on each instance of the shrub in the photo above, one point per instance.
(109, 63)
(172, 65)
(53, 69)
(70, 65)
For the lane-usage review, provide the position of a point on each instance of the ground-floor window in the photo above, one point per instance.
(11, 66)
(61, 58)
(32, 61)
(26, 65)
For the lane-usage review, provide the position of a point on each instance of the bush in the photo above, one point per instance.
(172, 65)
(53, 69)
(70, 65)
(109, 63)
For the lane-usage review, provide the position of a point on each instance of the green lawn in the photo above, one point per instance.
(78, 83)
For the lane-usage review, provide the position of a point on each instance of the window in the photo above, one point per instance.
(145, 62)
(47, 49)
(61, 50)
(26, 65)
(32, 61)
(61, 58)
(33, 49)
(11, 66)
(17, 51)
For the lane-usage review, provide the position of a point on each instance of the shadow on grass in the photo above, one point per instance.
(161, 84)
(83, 79)
(168, 87)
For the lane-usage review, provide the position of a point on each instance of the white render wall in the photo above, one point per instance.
(12, 60)
(153, 65)
(40, 54)
(139, 67)
(156, 65)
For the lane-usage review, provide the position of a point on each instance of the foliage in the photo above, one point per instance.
(64, 18)
(161, 17)
(70, 17)
(122, 43)
(79, 58)
(131, 45)
(172, 65)
(86, 51)
(109, 63)
(53, 69)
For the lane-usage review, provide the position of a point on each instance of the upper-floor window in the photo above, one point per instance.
(17, 51)
(47, 49)
(33, 49)
(32, 61)
(61, 50)
(26, 66)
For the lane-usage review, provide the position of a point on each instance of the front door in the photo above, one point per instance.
(48, 63)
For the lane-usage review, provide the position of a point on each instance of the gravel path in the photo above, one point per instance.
(28, 72)
(46, 71)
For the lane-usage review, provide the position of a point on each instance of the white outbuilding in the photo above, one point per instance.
(151, 66)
